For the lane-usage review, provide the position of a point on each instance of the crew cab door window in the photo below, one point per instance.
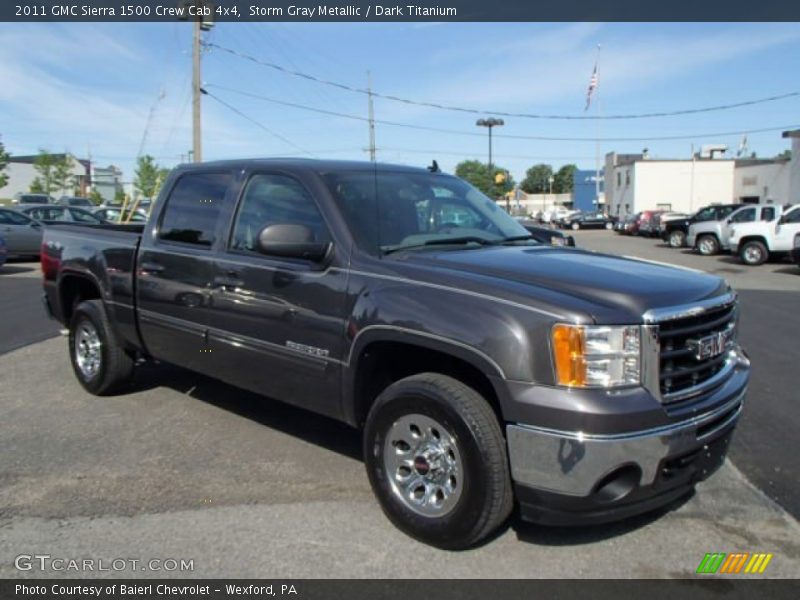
(744, 216)
(193, 209)
(270, 199)
(768, 213)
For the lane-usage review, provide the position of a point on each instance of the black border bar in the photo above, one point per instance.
(370, 10)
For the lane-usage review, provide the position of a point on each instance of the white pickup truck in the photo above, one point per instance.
(756, 241)
(711, 237)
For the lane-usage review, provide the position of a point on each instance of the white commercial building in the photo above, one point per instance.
(762, 181)
(21, 174)
(635, 182)
(794, 166)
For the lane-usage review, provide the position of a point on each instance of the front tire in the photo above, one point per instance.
(753, 253)
(609, 225)
(708, 245)
(576, 226)
(436, 459)
(101, 365)
(677, 239)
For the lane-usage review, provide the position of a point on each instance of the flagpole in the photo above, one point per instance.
(597, 130)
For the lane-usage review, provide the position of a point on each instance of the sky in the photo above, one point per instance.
(114, 91)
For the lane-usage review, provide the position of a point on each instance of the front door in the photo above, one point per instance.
(23, 235)
(176, 269)
(277, 323)
(785, 230)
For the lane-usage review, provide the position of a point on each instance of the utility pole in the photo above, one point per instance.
(371, 119)
(197, 138)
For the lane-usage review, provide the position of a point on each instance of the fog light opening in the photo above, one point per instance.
(617, 484)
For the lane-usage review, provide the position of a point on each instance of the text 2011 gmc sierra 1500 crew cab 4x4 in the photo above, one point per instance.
(485, 369)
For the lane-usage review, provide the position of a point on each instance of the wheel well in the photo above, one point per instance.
(382, 363)
(73, 290)
(753, 238)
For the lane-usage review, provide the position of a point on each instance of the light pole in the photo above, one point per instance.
(490, 123)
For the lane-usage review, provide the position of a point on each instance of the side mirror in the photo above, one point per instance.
(291, 241)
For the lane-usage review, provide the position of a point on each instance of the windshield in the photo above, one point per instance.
(389, 211)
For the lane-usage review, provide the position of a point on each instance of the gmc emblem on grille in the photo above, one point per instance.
(710, 345)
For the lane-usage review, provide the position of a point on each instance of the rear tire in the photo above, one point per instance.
(576, 226)
(708, 245)
(753, 253)
(436, 458)
(677, 239)
(609, 225)
(100, 363)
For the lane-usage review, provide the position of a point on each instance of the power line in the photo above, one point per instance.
(256, 123)
(505, 136)
(357, 90)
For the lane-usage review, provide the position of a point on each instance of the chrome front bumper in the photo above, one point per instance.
(575, 463)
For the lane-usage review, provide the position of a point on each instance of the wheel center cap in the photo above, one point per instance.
(421, 465)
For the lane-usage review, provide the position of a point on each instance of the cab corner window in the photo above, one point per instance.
(270, 199)
(193, 209)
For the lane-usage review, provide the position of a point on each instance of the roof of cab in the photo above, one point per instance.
(312, 164)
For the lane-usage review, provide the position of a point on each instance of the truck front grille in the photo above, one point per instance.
(680, 368)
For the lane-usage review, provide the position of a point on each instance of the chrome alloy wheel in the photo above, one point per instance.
(423, 465)
(753, 254)
(88, 350)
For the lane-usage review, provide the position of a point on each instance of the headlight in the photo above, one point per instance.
(596, 356)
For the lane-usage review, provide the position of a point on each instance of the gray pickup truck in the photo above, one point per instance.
(486, 371)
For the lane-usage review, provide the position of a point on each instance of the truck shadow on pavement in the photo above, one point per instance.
(311, 427)
(338, 437)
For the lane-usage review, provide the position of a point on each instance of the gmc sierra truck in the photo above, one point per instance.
(486, 371)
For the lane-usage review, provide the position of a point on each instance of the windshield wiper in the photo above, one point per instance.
(516, 238)
(466, 239)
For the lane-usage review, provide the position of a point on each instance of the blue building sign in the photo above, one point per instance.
(584, 191)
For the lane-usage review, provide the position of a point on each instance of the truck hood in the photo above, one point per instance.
(608, 287)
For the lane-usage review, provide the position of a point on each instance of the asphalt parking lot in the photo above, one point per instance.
(184, 467)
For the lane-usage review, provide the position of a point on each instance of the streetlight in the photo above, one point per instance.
(490, 123)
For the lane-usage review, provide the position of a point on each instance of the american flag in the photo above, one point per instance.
(592, 87)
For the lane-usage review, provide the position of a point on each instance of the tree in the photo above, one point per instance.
(44, 164)
(149, 176)
(62, 173)
(537, 179)
(564, 179)
(96, 197)
(477, 173)
(3, 164)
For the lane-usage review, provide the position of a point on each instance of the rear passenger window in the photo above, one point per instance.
(272, 199)
(768, 214)
(193, 208)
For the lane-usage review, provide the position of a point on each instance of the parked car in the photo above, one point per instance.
(629, 225)
(75, 201)
(112, 215)
(61, 214)
(756, 242)
(646, 225)
(22, 199)
(591, 220)
(676, 231)
(660, 220)
(3, 251)
(796, 250)
(592, 387)
(711, 237)
(23, 235)
(546, 235)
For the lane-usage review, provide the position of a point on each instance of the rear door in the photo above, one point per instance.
(175, 269)
(278, 323)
